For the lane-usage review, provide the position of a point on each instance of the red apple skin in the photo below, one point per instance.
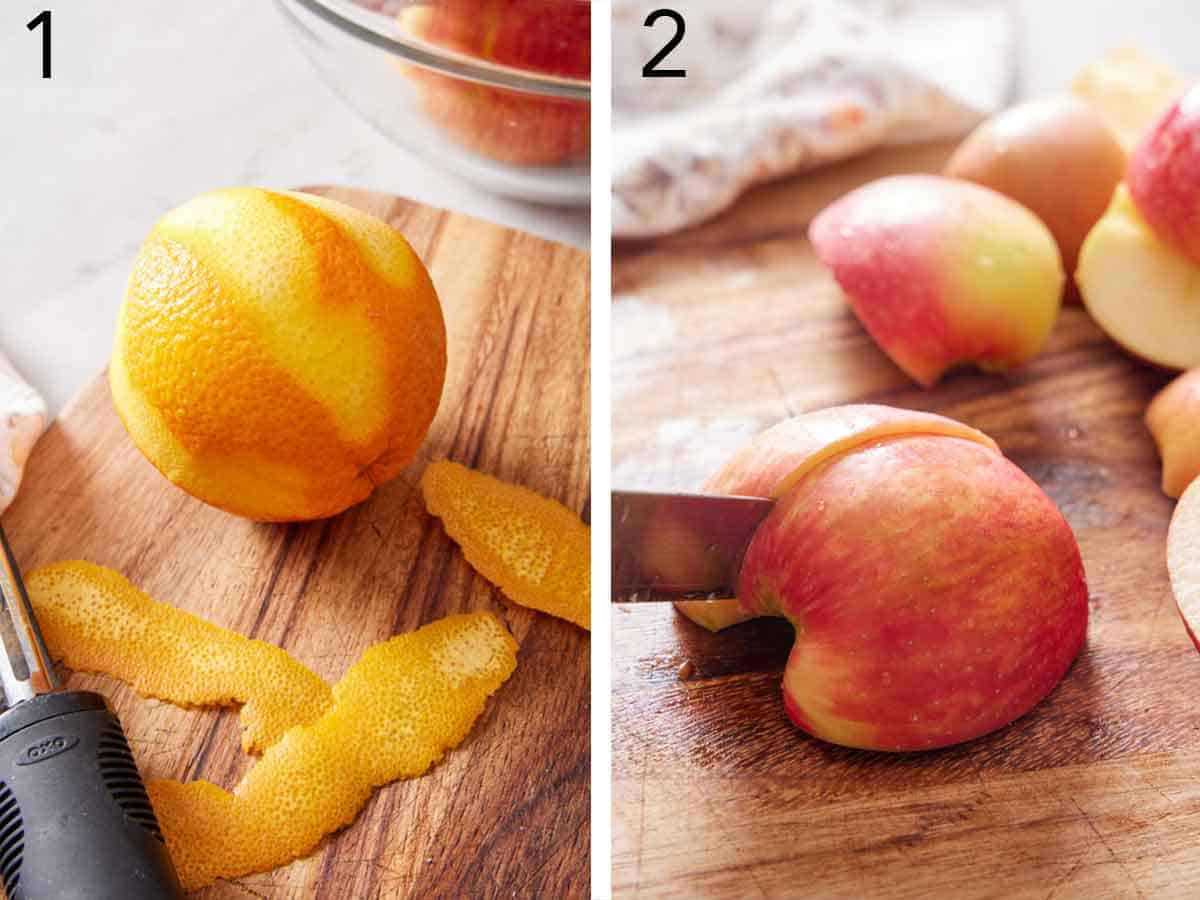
(550, 37)
(937, 593)
(1053, 155)
(770, 464)
(943, 272)
(1164, 175)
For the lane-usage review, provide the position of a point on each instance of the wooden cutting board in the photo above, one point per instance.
(732, 326)
(507, 813)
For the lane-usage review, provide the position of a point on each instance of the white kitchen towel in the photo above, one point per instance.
(22, 420)
(778, 86)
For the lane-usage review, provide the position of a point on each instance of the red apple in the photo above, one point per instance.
(550, 37)
(942, 272)
(936, 592)
(771, 464)
(1164, 176)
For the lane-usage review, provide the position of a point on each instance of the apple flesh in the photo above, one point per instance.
(549, 37)
(1183, 559)
(943, 272)
(1143, 293)
(936, 592)
(1164, 176)
(1173, 418)
(1129, 89)
(1053, 155)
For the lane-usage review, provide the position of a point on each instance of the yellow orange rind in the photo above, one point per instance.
(94, 620)
(533, 548)
(395, 713)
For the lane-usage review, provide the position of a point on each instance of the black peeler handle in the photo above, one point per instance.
(75, 821)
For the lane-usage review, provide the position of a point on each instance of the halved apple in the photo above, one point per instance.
(936, 592)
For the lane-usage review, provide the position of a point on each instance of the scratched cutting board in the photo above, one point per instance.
(723, 330)
(507, 811)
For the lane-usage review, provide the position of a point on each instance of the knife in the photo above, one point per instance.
(75, 821)
(672, 546)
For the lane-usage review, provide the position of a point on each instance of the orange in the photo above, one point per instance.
(278, 355)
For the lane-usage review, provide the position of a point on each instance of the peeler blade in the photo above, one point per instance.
(26, 669)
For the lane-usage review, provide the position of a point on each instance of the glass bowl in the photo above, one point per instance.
(494, 90)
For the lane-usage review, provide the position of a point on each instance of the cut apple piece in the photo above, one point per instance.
(936, 592)
(1183, 559)
(1164, 175)
(1054, 155)
(780, 456)
(1173, 418)
(943, 272)
(1130, 89)
(1144, 294)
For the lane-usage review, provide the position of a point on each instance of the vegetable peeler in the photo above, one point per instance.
(75, 820)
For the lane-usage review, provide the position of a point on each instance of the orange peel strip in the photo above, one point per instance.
(94, 620)
(395, 713)
(534, 549)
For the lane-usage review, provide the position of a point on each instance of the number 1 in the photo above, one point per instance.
(43, 19)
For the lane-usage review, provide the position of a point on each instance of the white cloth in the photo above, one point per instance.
(22, 420)
(776, 86)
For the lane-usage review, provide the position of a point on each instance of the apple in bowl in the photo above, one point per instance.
(937, 593)
(547, 37)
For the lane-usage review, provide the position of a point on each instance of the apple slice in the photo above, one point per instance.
(1173, 418)
(1144, 294)
(1183, 559)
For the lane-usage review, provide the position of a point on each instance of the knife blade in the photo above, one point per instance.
(672, 546)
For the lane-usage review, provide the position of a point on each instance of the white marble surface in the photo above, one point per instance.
(151, 103)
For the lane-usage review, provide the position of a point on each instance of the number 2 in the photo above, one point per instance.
(650, 70)
(42, 20)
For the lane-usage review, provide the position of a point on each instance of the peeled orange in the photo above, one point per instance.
(278, 354)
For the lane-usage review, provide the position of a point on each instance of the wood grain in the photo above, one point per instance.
(506, 814)
(725, 329)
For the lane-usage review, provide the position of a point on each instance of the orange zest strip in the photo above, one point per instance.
(94, 620)
(395, 713)
(534, 549)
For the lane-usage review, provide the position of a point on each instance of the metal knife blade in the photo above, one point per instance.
(671, 546)
(25, 666)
